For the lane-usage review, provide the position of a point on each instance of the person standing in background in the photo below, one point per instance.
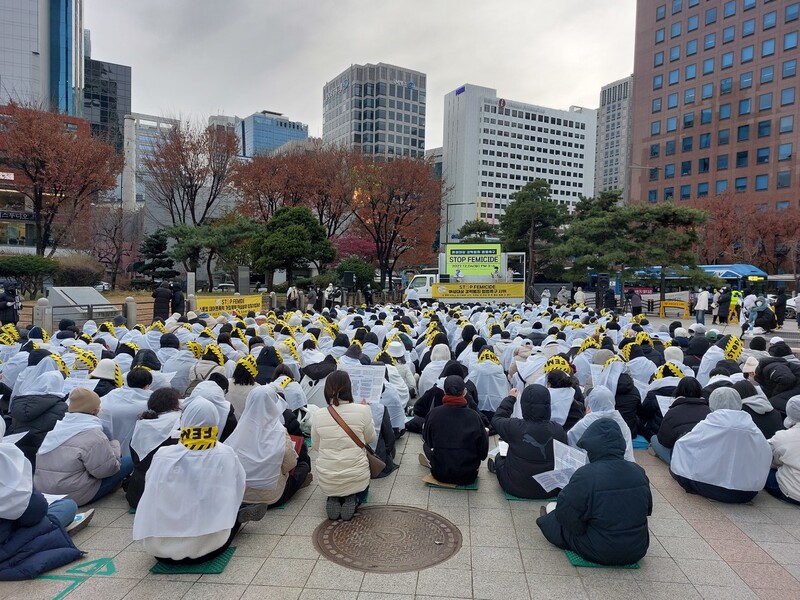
(9, 306)
(178, 300)
(163, 297)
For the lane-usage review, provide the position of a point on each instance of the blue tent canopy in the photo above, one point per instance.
(737, 271)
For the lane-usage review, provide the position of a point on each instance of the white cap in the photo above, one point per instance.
(775, 340)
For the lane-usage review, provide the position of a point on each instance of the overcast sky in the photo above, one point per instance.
(195, 58)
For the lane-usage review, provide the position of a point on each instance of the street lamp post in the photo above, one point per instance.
(447, 218)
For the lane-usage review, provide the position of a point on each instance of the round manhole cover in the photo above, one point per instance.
(388, 539)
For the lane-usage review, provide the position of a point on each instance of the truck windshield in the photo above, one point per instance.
(418, 282)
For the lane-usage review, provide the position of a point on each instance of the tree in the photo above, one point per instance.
(351, 244)
(27, 271)
(397, 205)
(78, 270)
(290, 240)
(477, 231)
(718, 241)
(112, 235)
(157, 262)
(586, 243)
(664, 234)
(532, 222)
(60, 172)
(189, 171)
(364, 271)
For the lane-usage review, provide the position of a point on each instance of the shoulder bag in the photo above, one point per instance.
(376, 465)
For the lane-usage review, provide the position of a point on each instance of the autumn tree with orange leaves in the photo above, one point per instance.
(397, 204)
(59, 170)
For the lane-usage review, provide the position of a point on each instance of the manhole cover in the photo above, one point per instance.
(388, 539)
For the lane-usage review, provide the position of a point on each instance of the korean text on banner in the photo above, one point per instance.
(241, 304)
(473, 259)
(486, 291)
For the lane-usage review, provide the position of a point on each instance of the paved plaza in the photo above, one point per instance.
(698, 549)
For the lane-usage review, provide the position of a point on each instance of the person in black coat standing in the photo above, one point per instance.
(9, 306)
(163, 296)
(530, 442)
(601, 514)
(780, 307)
(454, 438)
(178, 299)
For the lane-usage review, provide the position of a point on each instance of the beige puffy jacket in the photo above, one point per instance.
(76, 467)
(341, 466)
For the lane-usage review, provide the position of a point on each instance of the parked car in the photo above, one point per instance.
(102, 286)
(791, 310)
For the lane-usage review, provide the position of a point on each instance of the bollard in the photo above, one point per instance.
(129, 311)
(301, 301)
(273, 301)
(359, 300)
(43, 314)
(191, 302)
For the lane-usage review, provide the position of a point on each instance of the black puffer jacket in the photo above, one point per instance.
(266, 362)
(37, 415)
(649, 412)
(530, 442)
(456, 442)
(779, 379)
(627, 401)
(602, 513)
(681, 418)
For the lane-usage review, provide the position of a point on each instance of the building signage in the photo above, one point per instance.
(216, 305)
(6, 176)
(335, 91)
(16, 216)
(461, 90)
(473, 259)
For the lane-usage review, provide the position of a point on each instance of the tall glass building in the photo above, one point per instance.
(378, 109)
(265, 131)
(107, 99)
(41, 53)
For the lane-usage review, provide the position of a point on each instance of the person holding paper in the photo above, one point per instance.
(686, 411)
(600, 405)
(455, 440)
(601, 514)
(77, 458)
(530, 442)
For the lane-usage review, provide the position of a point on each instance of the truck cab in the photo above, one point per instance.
(423, 284)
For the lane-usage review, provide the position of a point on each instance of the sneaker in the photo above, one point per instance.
(333, 507)
(490, 465)
(348, 507)
(423, 460)
(251, 512)
(80, 521)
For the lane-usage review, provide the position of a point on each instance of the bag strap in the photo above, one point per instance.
(344, 426)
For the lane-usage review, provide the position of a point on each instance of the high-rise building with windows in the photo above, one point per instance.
(107, 99)
(612, 158)
(266, 131)
(378, 109)
(493, 147)
(41, 54)
(716, 107)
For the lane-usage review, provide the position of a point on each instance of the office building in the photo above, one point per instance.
(495, 146)
(377, 109)
(716, 107)
(41, 54)
(141, 134)
(107, 99)
(266, 131)
(612, 156)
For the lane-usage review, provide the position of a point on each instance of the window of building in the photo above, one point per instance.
(728, 34)
(744, 106)
(786, 124)
(691, 47)
(784, 179)
(672, 100)
(726, 62)
(652, 196)
(723, 137)
(688, 95)
(659, 35)
(746, 80)
(740, 184)
(655, 128)
(748, 53)
(661, 12)
(708, 66)
(709, 41)
(656, 105)
(761, 182)
(669, 171)
(669, 194)
(669, 148)
(686, 167)
(743, 133)
(790, 40)
(787, 96)
(658, 59)
(675, 29)
(654, 174)
(725, 85)
(692, 23)
(688, 120)
(748, 4)
(767, 48)
(705, 140)
(677, 5)
(792, 12)
(711, 16)
(767, 74)
(672, 124)
(707, 90)
(702, 189)
(721, 185)
(702, 165)
(673, 77)
(765, 101)
(789, 68)
(770, 20)
(764, 128)
(724, 111)
(741, 159)
(782, 205)
(722, 162)
(785, 151)
(686, 143)
(658, 82)
(686, 192)
(748, 27)
(729, 9)
(654, 150)
(705, 116)
(762, 156)
(674, 53)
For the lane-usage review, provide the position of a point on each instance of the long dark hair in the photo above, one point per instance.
(241, 376)
(338, 388)
(280, 371)
(160, 401)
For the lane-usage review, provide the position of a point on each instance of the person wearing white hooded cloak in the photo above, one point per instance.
(600, 405)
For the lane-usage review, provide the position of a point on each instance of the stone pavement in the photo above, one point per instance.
(698, 549)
